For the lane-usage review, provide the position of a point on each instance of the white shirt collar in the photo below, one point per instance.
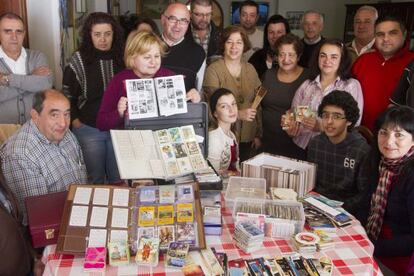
(175, 43)
(312, 42)
(363, 49)
(17, 66)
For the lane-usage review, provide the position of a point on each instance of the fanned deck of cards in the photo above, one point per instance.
(294, 264)
(162, 154)
(299, 113)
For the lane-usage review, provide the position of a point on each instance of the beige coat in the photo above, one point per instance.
(218, 76)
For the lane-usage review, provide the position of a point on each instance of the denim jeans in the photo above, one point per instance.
(98, 153)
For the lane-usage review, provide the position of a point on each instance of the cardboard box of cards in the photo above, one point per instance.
(282, 218)
(244, 187)
(281, 172)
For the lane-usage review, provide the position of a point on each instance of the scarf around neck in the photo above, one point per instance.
(388, 169)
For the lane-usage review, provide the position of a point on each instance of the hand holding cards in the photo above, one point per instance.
(298, 115)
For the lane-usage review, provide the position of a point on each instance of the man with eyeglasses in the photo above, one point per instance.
(339, 152)
(364, 28)
(202, 29)
(23, 72)
(184, 55)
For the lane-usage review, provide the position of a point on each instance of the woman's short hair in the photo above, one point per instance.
(227, 32)
(344, 69)
(274, 19)
(396, 116)
(87, 48)
(344, 101)
(290, 39)
(140, 43)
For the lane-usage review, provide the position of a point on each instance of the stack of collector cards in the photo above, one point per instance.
(248, 236)
(306, 242)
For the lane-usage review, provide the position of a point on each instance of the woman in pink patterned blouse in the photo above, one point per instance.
(331, 70)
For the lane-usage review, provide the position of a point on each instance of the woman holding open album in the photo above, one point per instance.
(143, 53)
(223, 151)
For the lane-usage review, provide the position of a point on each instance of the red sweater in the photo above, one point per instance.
(108, 117)
(378, 78)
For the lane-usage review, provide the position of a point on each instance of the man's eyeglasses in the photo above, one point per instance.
(173, 20)
(335, 116)
(202, 14)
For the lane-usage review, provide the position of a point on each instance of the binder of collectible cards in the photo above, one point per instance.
(161, 154)
(96, 215)
(197, 116)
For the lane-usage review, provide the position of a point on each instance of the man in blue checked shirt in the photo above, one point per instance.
(43, 156)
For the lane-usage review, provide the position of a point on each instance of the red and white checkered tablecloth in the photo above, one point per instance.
(352, 254)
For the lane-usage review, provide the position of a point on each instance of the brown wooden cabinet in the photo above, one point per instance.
(17, 7)
(403, 10)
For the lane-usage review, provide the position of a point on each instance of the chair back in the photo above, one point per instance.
(7, 130)
(367, 134)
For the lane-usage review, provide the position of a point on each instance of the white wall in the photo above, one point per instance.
(44, 33)
(96, 5)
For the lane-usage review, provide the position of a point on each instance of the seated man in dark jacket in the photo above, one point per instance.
(339, 152)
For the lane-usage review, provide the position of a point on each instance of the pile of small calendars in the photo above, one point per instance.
(248, 236)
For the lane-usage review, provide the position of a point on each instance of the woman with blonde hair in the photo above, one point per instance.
(143, 53)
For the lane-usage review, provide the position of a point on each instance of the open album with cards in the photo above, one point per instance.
(162, 96)
(146, 218)
(163, 154)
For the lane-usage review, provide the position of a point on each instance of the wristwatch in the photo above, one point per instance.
(4, 80)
